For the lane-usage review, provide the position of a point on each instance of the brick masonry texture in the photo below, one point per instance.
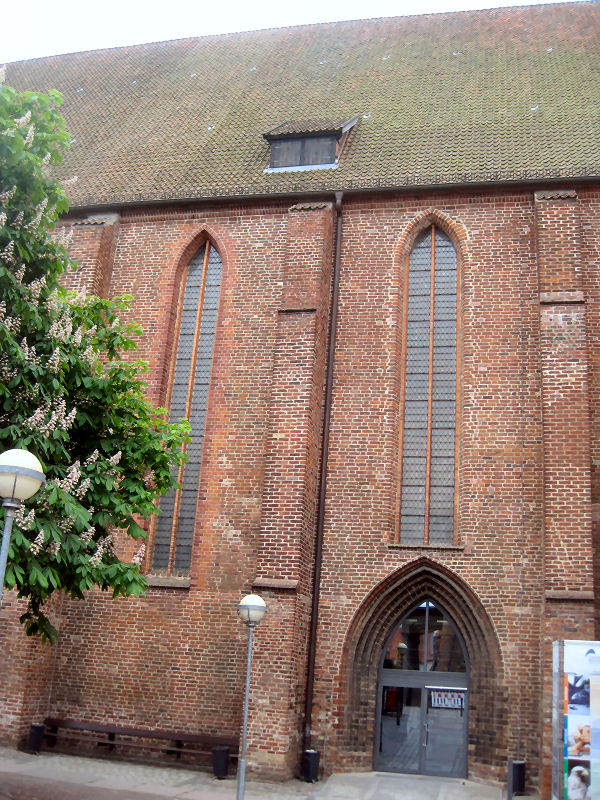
(523, 568)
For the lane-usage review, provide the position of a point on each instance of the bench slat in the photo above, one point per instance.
(55, 723)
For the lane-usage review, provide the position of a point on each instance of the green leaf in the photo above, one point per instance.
(106, 390)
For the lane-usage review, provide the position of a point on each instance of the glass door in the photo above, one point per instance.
(400, 736)
(444, 747)
(423, 731)
(422, 704)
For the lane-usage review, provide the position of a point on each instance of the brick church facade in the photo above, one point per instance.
(366, 259)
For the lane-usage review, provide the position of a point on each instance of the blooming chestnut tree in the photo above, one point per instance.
(67, 394)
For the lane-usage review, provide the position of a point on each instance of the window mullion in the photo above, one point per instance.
(426, 637)
(188, 404)
(429, 388)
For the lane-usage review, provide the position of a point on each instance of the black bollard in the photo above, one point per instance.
(36, 736)
(516, 777)
(220, 756)
(310, 766)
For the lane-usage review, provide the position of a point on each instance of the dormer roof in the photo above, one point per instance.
(309, 127)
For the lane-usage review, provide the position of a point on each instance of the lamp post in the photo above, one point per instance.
(21, 475)
(251, 610)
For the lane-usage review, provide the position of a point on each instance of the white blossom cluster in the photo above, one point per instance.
(20, 274)
(2, 74)
(46, 419)
(8, 254)
(70, 481)
(81, 490)
(6, 373)
(29, 138)
(67, 524)
(114, 460)
(105, 545)
(12, 324)
(53, 362)
(53, 548)
(37, 217)
(29, 353)
(87, 536)
(36, 286)
(139, 556)
(79, 299)
(3, 218)
(37, 544)
(21, 122)
(149, 479)
(88, 356)
(62, 327)
(52, 304)
(91, 459)
(25, 520)
(63, 237)
(7, 195)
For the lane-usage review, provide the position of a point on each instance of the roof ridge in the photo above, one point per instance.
(206, 37)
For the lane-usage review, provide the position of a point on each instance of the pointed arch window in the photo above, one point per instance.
(190, 377)
(426, 640)
(429, 393)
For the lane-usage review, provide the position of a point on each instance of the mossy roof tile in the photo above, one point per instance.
(502, 94)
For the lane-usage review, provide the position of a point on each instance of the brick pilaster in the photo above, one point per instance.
(93, 247)
(568, 574)
(285, 554)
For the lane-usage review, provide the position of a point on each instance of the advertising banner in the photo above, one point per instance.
(576, 719)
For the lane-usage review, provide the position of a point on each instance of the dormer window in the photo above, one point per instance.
(307, 144)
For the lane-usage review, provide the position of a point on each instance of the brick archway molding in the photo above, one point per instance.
(372, 624)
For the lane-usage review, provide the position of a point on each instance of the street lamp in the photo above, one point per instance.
(21, 475)
(251, 610)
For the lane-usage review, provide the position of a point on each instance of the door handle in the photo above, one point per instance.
(426, 734)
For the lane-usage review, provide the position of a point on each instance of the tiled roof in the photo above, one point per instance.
(297, 127)
(503, 94)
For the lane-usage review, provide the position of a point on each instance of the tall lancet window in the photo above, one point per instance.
(428, 423)
(175, 525)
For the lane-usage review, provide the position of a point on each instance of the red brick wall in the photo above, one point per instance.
(28, 672)
(590, 260)
(176, 658)
(499, 552)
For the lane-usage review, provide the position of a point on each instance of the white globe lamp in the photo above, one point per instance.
(251, 610)
(21, 475)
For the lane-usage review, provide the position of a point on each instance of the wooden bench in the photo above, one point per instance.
(170, 742)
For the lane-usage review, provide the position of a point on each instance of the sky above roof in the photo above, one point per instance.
(41, 28)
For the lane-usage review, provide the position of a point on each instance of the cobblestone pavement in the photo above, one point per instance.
(66, 777)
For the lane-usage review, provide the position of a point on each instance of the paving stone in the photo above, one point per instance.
(60, 777)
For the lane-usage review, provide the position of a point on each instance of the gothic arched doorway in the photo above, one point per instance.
(423, 696)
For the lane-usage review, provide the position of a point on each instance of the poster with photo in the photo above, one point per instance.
(576, 717)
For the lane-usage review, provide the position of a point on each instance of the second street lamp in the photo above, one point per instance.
(251, 610)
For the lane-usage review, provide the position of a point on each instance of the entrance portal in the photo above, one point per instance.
(422, 697)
